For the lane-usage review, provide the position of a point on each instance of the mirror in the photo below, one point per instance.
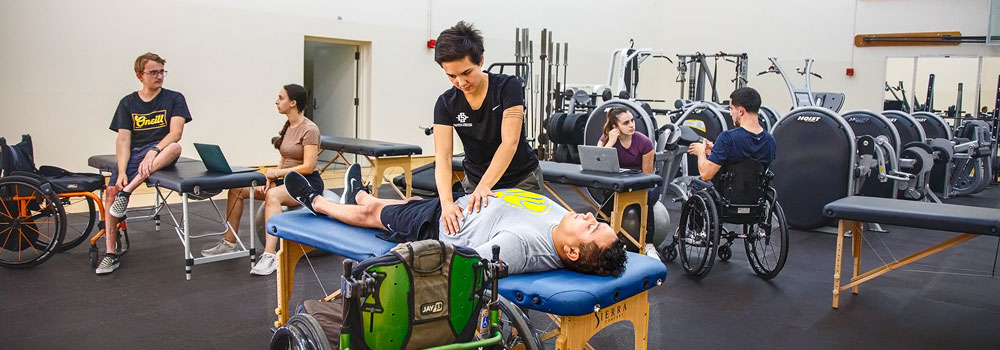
(899, 84)
(988, 86)
(994, 23)
(907, 80)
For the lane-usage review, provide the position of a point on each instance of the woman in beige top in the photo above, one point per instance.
(298, 144)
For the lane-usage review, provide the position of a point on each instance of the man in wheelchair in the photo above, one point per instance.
(748, 140)
(533, 233)
(734, 188)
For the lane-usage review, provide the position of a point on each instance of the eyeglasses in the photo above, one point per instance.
(156, 72)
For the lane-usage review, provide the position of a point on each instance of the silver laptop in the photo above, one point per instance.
(212, 156)
(603, 159)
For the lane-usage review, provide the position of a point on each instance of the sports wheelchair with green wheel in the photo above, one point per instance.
(740, 196)
(425, 295)
(44, 210)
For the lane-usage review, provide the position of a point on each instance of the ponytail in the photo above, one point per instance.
(281, 135)
(612, 120)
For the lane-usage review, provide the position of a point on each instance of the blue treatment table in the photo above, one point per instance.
(584, 304)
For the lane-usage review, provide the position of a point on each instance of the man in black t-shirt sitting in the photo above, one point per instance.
(487, 112)
(149, 123)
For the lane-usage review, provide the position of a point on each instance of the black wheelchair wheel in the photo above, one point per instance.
(698, 234)
(669, 252)
(301, 332)
(79, 223)
(767, 244)
(32, 222)
(93, 255)
(725, 252)
(516, 328)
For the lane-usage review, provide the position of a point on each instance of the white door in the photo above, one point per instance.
(334, 89)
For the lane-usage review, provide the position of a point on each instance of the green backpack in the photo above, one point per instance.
(425, 294)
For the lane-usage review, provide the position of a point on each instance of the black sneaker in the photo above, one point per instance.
(353, 185)
(300, 190)
(120, 205)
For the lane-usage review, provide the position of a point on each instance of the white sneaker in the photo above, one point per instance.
(651, 251)
(266, 265)
(120, 205)
(108, 265)
(220, 248)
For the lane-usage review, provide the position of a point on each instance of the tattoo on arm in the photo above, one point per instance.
(514, 112)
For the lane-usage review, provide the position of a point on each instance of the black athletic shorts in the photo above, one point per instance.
(413, 221)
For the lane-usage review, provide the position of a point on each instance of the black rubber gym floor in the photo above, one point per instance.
(948, 301)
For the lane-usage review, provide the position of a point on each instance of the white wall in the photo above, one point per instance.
(65, 64)
(68, 63)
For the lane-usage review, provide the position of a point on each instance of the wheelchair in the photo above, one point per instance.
(741, 194)
(379, 310)
(34, 222)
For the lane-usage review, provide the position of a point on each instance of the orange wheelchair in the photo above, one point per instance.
(34, 222)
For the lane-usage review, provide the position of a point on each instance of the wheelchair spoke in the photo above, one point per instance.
(9, 233)
(766, 245)
(40, 233)
(6, 211)
(24, 238)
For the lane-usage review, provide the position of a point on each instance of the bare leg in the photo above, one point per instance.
(367, 215)
(363, 198)
(165, 157)
(110, 221)
(234, 209)
(273, 200)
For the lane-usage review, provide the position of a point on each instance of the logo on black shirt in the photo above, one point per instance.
(154, 120)
(461, 120)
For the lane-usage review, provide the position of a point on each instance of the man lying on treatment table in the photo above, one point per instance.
(533, 232)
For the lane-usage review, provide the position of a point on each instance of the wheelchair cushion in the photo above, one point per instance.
(65, 181)
(935, 216)
(568, 293)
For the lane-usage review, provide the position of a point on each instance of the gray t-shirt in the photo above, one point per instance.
(518, 221)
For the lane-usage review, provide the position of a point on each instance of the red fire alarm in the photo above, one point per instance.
(850, 72)
(430, 43)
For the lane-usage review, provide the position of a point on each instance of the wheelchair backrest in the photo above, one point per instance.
(741, 187)
(742, 183)
(425, 294)
(19, 157)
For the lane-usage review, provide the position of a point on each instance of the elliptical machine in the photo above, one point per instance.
(804, 96)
